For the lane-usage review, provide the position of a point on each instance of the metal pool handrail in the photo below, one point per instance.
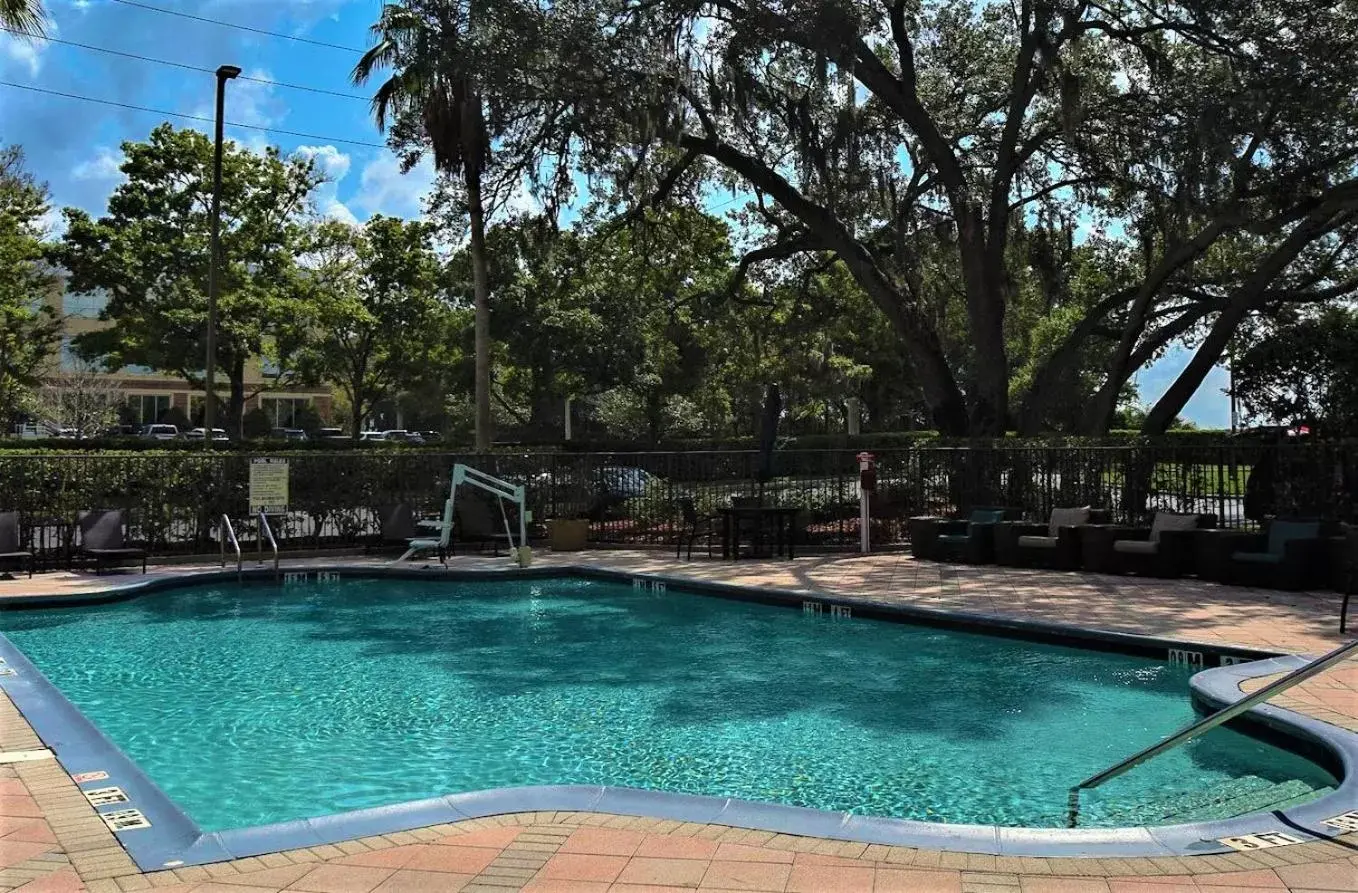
(1207, 723)
(229, 531)
(265, 530)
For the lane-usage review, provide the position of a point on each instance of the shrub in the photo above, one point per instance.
(256, 424)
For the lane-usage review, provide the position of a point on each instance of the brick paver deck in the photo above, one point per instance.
(51, 840)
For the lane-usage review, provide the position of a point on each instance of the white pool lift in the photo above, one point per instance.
(504, 492)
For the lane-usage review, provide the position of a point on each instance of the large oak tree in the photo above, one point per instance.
(921, 142)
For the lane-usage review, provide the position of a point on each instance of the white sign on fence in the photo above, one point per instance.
(269, 486)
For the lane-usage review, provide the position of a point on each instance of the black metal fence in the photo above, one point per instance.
(174, 500)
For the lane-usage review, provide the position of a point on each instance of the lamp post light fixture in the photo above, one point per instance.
(224, 74)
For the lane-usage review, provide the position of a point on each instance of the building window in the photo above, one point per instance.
(85, 306)
(148, 408)
(285, 412)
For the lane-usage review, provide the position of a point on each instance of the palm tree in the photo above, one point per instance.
(22, 15)
(434, 89)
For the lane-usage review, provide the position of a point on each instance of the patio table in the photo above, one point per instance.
(784, 521)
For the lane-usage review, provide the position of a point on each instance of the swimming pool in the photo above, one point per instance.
(261, 703)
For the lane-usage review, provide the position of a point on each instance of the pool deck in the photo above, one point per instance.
(52, 840)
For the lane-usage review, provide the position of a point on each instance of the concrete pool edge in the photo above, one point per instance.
(173, 840)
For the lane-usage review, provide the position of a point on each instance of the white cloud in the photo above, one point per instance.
(334, 165)
(52, 224)
(329, 160)
(25, 53)
(383, 189)
(103, 166)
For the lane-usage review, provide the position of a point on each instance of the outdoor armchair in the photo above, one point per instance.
(1164, 549)
(1055, 544)
(1289, 554)
(970, 537)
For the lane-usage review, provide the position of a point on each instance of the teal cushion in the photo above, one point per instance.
(1257, 557)
(986, 516)
(1279, 532)
(954, 538)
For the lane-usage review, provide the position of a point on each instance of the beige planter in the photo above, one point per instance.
(567, 534)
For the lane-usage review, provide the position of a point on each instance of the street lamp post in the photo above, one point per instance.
(224, 74)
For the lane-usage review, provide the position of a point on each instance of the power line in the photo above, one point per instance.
(142, 108)
(185, 15)
(187, 67)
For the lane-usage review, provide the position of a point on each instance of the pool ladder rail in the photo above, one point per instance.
(266, 531)
(227, 532)
(1207, 723)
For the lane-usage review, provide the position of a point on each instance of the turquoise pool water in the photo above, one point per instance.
(260, 704)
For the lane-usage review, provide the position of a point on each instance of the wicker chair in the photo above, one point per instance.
(971, 540)
(1055, 544)
(1289, 554)
(1164, 549)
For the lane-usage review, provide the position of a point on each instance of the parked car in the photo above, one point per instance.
(431, 436)
(335, 434)
(289, 434)
(373, 435)
(160, 432)
(218, 435)
(609, 487)
(401, 435)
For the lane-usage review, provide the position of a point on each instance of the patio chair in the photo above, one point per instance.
(476, 523)
(11, 543)
(102, 537)
(1164, 549)
(1055, 544)
(971, 540)
(396, 526)
(692, 525)
(1289, 554)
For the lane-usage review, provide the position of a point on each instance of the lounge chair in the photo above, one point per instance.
(693, 525)
(1164, 549)
(102, 537)
(396, 526)
(11, 543)
(476, 523)
(1350, 573)
(971, 539)
(1289, 554)
(1055, 544)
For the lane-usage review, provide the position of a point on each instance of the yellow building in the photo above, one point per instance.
(150, 394)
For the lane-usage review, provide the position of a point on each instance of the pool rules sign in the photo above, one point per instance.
(269, 486)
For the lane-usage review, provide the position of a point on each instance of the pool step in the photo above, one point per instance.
(1236, 797)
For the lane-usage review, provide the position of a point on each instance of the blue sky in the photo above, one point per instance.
(74, 145)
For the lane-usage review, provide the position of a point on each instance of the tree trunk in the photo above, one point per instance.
(236, 406)
(356, 401)
(989, 412)
(481, 287)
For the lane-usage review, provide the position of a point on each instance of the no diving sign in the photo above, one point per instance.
(269, 485)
